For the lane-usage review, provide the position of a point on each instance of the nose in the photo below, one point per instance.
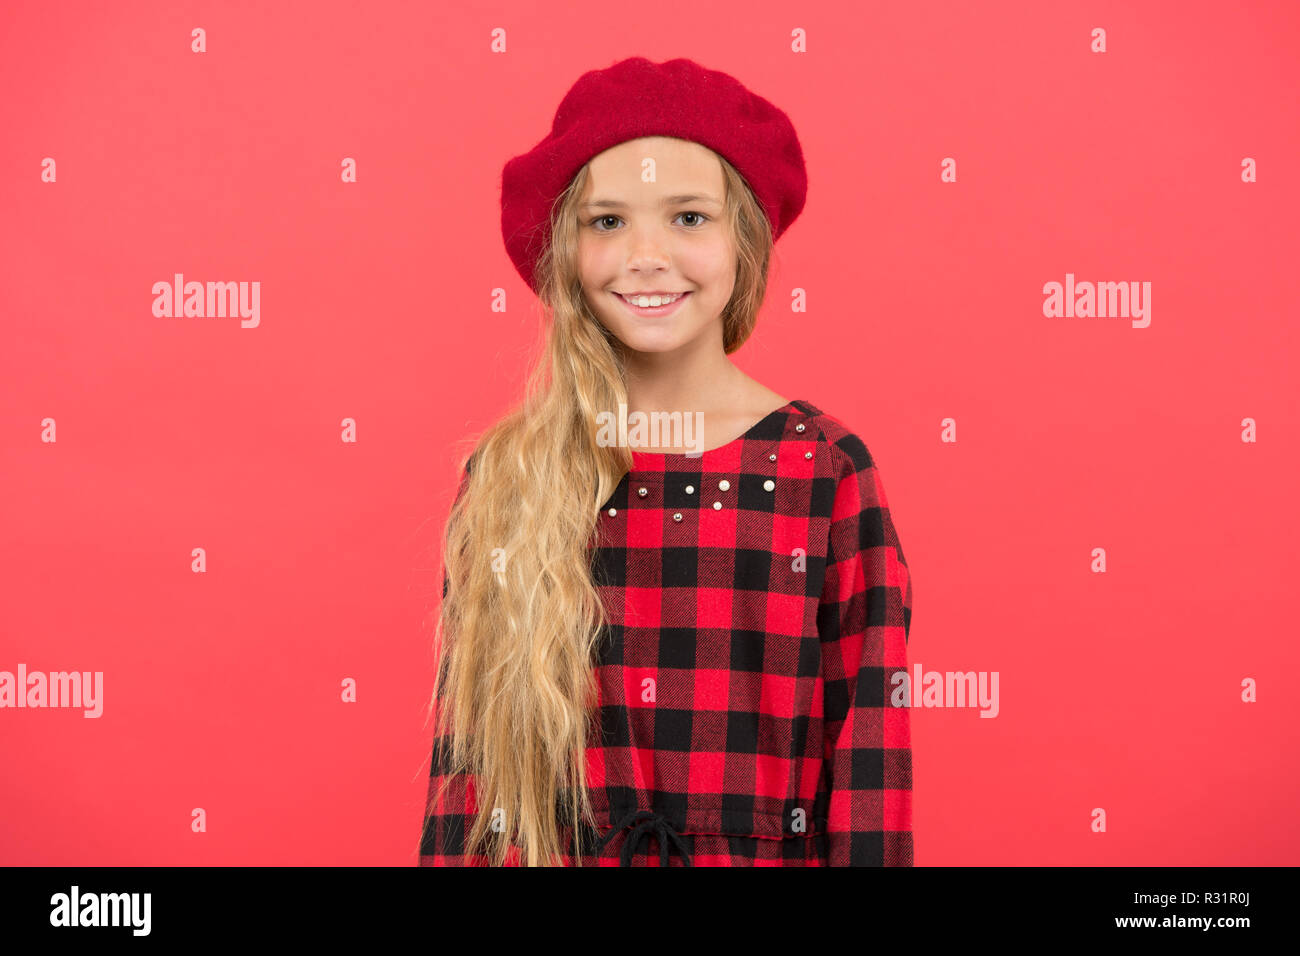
(647, 250)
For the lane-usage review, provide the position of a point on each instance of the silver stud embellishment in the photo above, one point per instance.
(642, 492)
(807, 454)
(612, 512)
(690, 489)
(724, 484)
(799, 427)
(769, 485)
(677, 516)
(717, 506)
(772, 457)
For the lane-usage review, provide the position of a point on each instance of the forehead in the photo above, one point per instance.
(680, 166)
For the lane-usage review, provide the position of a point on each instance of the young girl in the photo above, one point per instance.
(650, 656)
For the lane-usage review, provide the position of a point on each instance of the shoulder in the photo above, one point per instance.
(851, 485)
(846, 451)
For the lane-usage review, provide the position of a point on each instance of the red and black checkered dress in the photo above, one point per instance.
(759, 603)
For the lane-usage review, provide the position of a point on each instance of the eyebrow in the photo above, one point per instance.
(667, 201)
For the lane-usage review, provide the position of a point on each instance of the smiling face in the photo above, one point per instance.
(648, 237)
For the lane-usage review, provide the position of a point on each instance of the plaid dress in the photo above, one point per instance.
(759, 603)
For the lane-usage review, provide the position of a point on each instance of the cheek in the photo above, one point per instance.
(712, 264)
(584, 261)
(590, 256)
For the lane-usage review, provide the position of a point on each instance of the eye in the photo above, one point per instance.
(594, 223)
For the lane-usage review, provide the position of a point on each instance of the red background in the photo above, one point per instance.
(222, 690)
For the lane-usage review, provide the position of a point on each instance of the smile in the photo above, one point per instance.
(665, 303)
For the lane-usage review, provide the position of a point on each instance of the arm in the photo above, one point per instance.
(448, 816)
(864, 622)
(449, 812)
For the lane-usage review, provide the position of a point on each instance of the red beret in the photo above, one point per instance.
(636, 98)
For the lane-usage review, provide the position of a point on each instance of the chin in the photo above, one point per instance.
(639, 343)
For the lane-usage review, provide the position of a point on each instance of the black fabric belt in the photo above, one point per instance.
(647, 822)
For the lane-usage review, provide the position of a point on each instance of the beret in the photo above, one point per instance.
(636, 98)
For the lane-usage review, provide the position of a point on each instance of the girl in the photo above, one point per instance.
(649, 655)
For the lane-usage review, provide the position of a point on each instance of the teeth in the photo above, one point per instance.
(650, 301)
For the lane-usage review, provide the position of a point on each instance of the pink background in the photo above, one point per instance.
(1118, 690)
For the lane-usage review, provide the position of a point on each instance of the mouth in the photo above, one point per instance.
(664, 308)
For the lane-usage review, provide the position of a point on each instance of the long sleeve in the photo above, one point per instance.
(449, 816)
(863, 623)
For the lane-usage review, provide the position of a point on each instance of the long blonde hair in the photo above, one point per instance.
(519, 627)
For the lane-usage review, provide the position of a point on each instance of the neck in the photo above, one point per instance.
(668, 382)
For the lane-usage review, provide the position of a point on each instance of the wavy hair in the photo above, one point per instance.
(521, 617)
